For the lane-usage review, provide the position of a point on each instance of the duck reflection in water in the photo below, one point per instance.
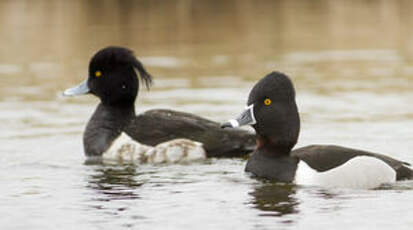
(114, 182)
(275, 199)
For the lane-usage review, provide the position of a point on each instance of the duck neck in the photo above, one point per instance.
(269, 147)
(105, 125)
(272, 161)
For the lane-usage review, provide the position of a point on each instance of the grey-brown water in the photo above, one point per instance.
(351, 62)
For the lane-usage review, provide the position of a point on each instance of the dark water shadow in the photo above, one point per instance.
(113, 181)
(399, 186)
(275, 199)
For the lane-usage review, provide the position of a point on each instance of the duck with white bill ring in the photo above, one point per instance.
(272, 111)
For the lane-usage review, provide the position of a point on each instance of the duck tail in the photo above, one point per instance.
(404, 173)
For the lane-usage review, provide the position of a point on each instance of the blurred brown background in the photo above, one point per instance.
(46, 44)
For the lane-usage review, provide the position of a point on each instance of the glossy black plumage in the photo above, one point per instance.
(280, 168)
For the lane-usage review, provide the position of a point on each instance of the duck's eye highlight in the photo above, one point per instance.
(98, 73)
(267, 101)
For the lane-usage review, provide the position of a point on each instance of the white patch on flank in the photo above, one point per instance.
(125, 149)
(361, 172)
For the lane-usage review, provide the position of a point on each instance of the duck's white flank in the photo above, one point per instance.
(361, 172)
(125, 149)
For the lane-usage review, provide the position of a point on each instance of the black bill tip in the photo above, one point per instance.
(230, 124)
(226, 125)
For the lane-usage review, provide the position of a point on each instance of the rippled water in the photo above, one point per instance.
(353, 75)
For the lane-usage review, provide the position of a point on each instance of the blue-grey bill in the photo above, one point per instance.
(245, 118)
(80, 89)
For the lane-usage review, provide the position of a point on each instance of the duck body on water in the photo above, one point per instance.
(113, 78)
(272, 111)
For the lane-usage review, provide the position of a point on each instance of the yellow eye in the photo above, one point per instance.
(98, 73)
(267, 101)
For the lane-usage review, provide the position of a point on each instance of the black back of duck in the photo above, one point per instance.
(325, 157)
(157, 126)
